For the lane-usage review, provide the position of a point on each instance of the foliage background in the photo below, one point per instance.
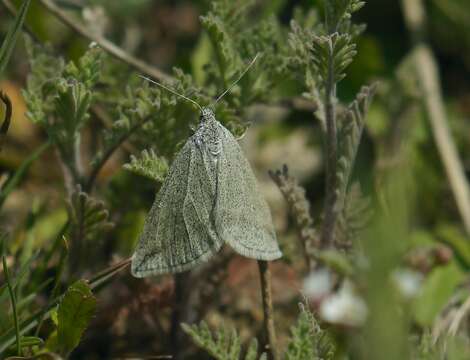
(133, 316)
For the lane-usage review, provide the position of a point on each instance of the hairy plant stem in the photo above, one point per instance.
(13, 304)
(331, 148)
(266, 294)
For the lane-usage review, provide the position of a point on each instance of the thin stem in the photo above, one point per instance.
(427, 71)
(265, 277)
(105, 44)
(331, 157)
(13, 305)
(179, 313)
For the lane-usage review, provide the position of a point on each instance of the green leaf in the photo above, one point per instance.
(436, 292)
(88, 214)
(149, 165)
(74, 313)
(12, 35)
(27, 341)
(332, 54)
(223, 345)
(338, 11)
(308, 340)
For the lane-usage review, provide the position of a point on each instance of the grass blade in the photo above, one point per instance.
(12, 36)
(20, 173)
(12, 298)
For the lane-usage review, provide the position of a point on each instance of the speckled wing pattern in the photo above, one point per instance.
(178, 232)
(242, 216)
(209, 197)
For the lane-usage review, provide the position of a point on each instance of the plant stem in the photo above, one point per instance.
(179, 313)
(105, 44)
(13, 305)
(428, 74)
(330, 207)
(266, 294)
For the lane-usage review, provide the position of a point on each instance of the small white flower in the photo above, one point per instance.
(344, 308)
(318, 284)
(408, 282)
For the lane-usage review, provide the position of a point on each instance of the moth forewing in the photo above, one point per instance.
(178, 233)
(242, 216)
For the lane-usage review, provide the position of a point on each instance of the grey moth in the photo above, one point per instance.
(209, 197)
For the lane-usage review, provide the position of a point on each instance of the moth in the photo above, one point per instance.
(209, 198)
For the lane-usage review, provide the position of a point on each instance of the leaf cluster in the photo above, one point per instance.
(223, 345)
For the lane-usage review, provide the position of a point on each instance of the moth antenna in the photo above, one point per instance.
(239, 78)
(171, 90)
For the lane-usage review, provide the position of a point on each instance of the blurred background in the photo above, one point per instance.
(133, 316)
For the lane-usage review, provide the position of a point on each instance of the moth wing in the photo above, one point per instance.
(242, 215)
(178, 233)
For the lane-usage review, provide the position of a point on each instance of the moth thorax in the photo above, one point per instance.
(207, 115)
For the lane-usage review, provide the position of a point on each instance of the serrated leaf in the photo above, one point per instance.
(331, 55)
(74, 313)
(308, 340)
(88, 214)
(149, 165)
(222, 345)
(350, 133)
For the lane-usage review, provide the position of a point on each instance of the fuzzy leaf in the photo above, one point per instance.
(149, 165)
(353, 218)
(95, 216)
(331, 55)
(223, 345)
(308, 340)
(350, 133)
(74, 313)
(338, 11)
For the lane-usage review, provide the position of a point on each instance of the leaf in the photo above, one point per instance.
(331, 55)
(27, 341)
(74, 313)
(149, 165)
(223, 345)
(339, 10)
(355, 214)
(88, 215)
(350, 134)
(436, 292)
(308, 340)
(12, 35)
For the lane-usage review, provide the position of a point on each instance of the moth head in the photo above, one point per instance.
(207, 114)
